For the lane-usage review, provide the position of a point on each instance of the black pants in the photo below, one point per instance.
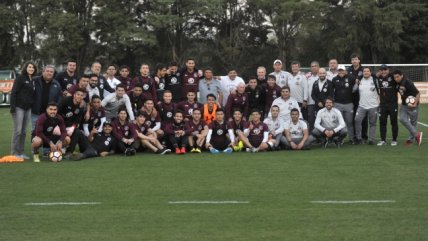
(79, 138)
(178, 141)
(121, 146)
(391, 111)
(304, 111)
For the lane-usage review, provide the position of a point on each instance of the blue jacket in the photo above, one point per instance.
(55, 94)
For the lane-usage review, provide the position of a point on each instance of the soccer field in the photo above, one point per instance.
(353, 193)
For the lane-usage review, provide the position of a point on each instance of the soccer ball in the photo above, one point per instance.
(410, 100)
(55, 156)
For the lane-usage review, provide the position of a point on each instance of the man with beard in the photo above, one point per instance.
(102, 82)
(321, 89)
(114, 102)
(92, 88)
(173, 82)
(68, 77)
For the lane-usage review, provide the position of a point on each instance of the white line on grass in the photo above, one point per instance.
(423, 124)
(61, 203)
(353, 201)
(208, 202)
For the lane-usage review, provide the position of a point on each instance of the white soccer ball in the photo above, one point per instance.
(410, 100)
(55, 156)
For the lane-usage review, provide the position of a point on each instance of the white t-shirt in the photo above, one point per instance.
(298, 87)
(368, 94)
(285, 106)
(113, 83)
(274, 125)
(296, 130)
(282, 77)
(229, 85)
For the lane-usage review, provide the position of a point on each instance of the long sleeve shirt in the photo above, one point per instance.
(329, 119)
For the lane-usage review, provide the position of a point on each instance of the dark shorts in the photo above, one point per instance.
(255, 142)
(220, 144)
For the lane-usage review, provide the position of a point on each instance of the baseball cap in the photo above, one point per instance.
(384, 66)
(277, 61)
(107, 123)
(341, 67)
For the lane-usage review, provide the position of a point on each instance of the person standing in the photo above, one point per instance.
(388, 104)
(367, 106)
(281, 76)
(321, 89)
(111, 79)
(409, 112)
(20, 107)
(299, 87)
(312, 77)
(332, 69)
(209, 85)
(68, 77)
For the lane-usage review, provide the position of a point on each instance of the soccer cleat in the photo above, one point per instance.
(177, 150)
(408, 143)
(197, 150)
(193, 150)
(253, 149)
(381, 143)
(36, 158)
(130, 152)
(228, 150)
(183, 150)
(214, 151)
(394, 143)
(419, 138)
(235, 148)
(240, 145)
(164, 151)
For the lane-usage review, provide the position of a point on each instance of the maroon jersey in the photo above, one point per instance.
(45, 126)
(149, 87)
(190, 81)
(271, 94)
(126, 81)
(237, 126)
(166, 111)
(136, 101)
(188, 108)
(237, 101)
(192, 127)
(152, 120)
(73, 90)
(171, 128)
(95, 118)
(126, 130)
(141, 128)
(256, 135)
(219, 139)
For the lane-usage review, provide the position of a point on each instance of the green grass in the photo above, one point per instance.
(134, 194)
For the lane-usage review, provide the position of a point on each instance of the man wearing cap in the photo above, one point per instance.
(343, 88)
(103, 142)
(281, 76)
(388, 105)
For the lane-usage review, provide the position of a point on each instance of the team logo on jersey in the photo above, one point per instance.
(126, 133)
(385, 84)
(146, 86)
(173, 80)
(69, 114)
(360, 73)
(346, 85)
(256, 131)
(106, 143)
(126, 128)
(68, 86)
(169, 114)
(101, 86)
(199, 127)
(142, 129)
(236, 99)
(149, 123)
(219, 132)
(191, 80)
(325, 90)
(108, 138)
(161, 86)
(50, 128)
(190, 111)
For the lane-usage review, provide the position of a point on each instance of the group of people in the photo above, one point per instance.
(186, 109)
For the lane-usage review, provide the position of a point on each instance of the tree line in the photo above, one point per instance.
(222, 34)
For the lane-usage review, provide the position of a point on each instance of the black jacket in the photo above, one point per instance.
(55, 94)
(22, 93)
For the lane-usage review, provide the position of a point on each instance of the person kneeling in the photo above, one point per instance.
(296, 135)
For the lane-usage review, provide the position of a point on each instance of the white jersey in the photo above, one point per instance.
(282, 78)
(229, 85)
(311, 81)
(298, 87)
(369, 97)
(331, 75)
(329, 119)
(92, 91)
(274, 125)
(296, 130)
(285, 107)
(113, 82)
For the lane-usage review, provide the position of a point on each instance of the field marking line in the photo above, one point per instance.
(353, 201)
(61, 203)
(208, 202)
(422, 124)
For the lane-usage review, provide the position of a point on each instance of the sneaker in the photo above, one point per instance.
(36, 158)
(177, 150)
(248, 149)
(213, 150)
(236, 148)
(394, 143)
(382, 143)
(240, 145)
(253, 149)
(193, 150)
(164, 151)
(418, 138)
(183, 150)
(130, 152)
(197, 150)
(408, 143)
(371, 143)
(24, 156)
(228, 150)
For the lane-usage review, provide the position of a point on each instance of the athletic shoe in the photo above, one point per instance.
(183, 150)
(409, 143)
(193, 150)
(164, 151)
(394, 143)
(228, 150)
(382, 143)
(371, 143)
(419, 137)
(130, 152)
(36, 158)
(197, 150)
(213, 150)
(24, 156)
(177, 150)
(240, 145)
(236, 148)
(253, 149)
